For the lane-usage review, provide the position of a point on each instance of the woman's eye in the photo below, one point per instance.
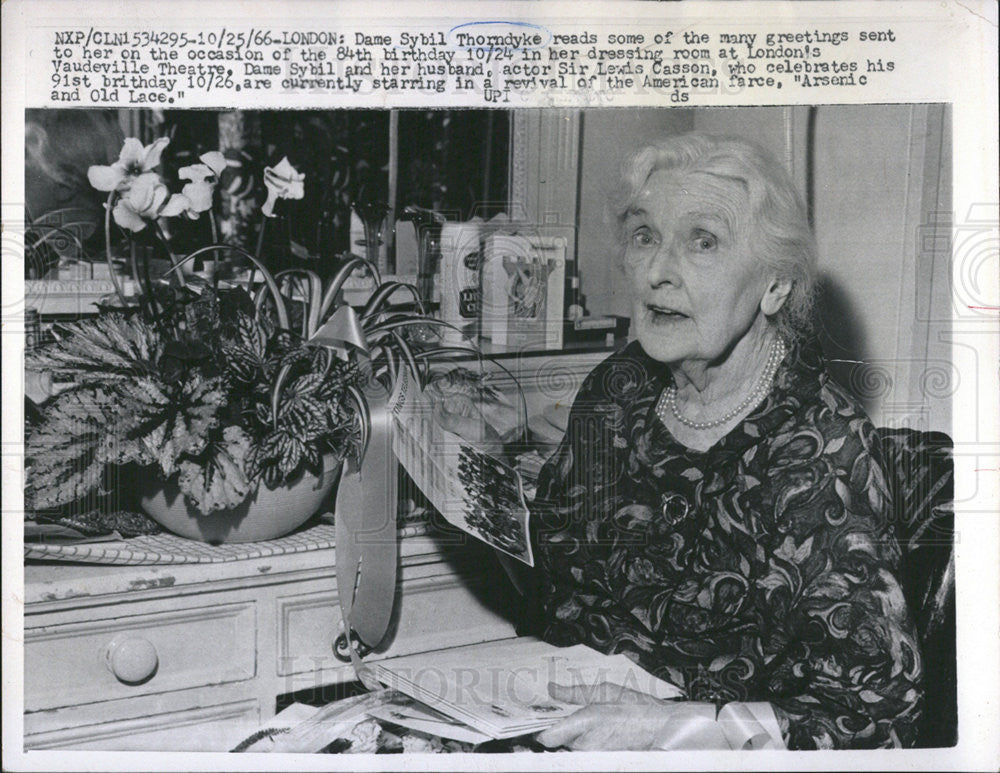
(704, 242)
(643, 238)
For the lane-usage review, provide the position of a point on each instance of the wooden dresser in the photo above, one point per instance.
(192, 657)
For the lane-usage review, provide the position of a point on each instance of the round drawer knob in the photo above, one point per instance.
(132, 659)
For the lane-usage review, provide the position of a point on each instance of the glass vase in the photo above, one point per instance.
(373, 218)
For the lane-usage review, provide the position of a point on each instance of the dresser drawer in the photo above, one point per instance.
(200, 729)
(430, 613)
(68, 662)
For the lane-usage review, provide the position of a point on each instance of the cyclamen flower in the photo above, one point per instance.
(283, 182)
(148, 199)
(133, 162)
(203, 177)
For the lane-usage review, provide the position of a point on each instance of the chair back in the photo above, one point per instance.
(920, 474)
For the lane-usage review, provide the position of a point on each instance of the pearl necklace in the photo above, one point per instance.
(668, 400)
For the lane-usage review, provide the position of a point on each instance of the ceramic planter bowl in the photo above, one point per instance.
(266, 514)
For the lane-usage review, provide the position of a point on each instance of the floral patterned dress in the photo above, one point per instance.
(763, 569)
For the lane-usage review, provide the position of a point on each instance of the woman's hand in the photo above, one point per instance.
(461, 417)
(617, 718)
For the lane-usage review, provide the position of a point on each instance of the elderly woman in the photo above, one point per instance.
(717, 510)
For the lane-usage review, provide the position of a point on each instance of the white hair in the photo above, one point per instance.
(781, 236)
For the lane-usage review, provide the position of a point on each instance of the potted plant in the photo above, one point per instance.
(237, 402)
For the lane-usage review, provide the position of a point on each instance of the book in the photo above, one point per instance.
(523, 280)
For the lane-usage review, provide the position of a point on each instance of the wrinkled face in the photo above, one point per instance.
(697, 288)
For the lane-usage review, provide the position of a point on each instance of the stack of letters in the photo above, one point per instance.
(500, 688)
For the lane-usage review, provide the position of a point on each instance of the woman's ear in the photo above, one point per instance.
(775, 296)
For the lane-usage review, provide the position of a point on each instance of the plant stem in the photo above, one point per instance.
(260, 237)
(107, 251)
(145, 296)
(170, 254)
(215, 240)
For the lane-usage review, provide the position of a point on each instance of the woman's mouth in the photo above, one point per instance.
(664, 314)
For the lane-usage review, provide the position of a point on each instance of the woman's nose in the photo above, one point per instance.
(663, 267)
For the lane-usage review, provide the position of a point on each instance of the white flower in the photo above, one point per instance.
(203, 177)
(283, 182)
(147, 199)
(133, 162)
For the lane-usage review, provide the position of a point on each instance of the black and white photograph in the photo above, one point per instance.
(623, 431)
